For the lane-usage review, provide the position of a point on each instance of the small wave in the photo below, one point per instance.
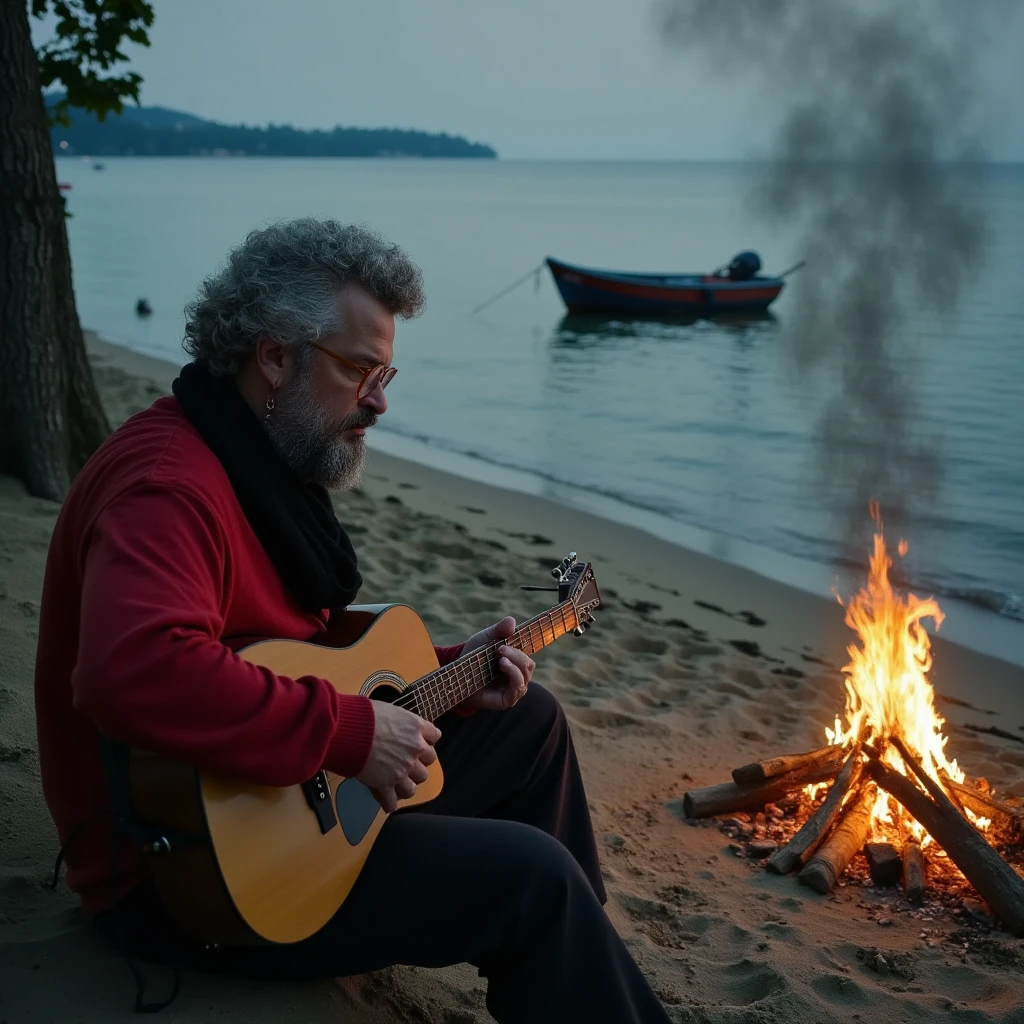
(814, 549)
(1009, 605)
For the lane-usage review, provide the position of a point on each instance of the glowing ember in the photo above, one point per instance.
(887, 689)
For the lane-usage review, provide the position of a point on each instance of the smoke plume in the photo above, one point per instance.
(877, 99)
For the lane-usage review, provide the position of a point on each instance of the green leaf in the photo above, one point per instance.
(87, 44)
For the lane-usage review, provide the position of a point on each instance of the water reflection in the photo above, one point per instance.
(576, 329)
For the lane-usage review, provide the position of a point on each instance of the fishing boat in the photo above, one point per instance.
(736, 287)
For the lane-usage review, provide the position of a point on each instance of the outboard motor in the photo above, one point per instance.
(744, 266)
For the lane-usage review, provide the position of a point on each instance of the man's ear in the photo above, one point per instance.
(274, 362)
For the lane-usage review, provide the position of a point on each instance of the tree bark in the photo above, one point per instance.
(51, 419)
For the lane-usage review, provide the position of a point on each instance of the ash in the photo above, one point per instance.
(951, 910)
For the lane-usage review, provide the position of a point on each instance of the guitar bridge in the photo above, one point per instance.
(318, 795)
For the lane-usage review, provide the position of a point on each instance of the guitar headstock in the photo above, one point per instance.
(577, 583)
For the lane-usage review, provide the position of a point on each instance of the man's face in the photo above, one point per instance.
(318, 421)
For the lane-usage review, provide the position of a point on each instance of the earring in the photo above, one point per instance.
(270, 408)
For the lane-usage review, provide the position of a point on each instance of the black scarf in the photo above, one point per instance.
(294, 521)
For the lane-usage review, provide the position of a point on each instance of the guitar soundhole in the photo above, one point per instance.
(357, 807)
(386, 693)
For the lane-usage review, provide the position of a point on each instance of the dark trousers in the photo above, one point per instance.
(500, 871)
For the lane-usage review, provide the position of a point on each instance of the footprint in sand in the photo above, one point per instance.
(748, 617)
(454, 551)
(606, 718)
(663, 925)
(839, 990)
(637, 643)
(747, 982)
(724, 686)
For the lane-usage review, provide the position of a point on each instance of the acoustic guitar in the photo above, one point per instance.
(246, 864)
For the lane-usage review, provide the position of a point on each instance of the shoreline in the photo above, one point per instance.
(670, 547)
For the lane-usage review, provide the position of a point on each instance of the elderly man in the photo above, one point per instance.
(204, 522)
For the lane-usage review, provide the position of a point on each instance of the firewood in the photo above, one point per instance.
(770, 767)
(884, 863)
(812, 832)
(966, 847)
(1001, 813)
(730, 796)
(913, 871)
(824, 869)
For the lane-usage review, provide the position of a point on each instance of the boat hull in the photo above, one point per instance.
(585, 290)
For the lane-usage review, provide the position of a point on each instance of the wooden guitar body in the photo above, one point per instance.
(269, 872)
(240, 864)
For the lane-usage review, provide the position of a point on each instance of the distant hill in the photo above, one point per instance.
(158, 131)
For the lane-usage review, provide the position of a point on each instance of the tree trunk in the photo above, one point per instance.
(51, 419)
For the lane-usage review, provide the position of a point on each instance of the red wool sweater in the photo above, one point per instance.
(154, 578)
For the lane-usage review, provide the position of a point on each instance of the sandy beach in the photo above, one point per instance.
(694, 667)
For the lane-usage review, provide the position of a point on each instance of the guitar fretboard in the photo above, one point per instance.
(440, 691)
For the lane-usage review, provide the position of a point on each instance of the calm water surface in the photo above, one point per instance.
(700, 432)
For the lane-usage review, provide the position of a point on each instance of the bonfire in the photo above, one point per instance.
(889, 787)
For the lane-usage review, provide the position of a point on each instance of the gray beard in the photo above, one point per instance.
(311, 445)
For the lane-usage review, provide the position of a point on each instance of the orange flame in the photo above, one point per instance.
(887, 689)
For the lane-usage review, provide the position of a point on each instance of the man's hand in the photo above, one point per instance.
(515, 666)
(403, 746)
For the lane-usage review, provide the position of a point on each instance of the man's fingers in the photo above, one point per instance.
(512, 673)
(418, 773)
(427, 755)
(520, 659)
(405, 789)
(386, 798)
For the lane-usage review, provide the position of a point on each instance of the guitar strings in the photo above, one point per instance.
(473, 663)
(411, 699)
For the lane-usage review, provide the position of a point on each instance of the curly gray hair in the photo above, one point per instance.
(283, 281)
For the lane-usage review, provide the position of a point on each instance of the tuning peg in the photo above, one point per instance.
(572, 557)
(580, 630)
(557, 572)
(591, 621)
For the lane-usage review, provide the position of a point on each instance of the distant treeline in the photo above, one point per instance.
(158, 131)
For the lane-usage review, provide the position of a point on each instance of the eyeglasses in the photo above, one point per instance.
(372, 375)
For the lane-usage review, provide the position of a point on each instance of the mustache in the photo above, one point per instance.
(361, 419)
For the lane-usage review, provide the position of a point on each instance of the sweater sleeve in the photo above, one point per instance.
(446, 655)
(153, 673)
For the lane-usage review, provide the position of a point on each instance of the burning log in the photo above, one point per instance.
(913, 871)
(809, 838)
(771, 767)
(731, 796)
(987, 806)
(967, 848)
(822, 871)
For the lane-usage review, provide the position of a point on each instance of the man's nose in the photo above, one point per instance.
(375, 400)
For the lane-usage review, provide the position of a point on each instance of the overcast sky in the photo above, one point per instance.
(534, 78)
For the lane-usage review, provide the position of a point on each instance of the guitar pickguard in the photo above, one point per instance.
(357, 810)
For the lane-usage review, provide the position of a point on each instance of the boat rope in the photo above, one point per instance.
(535, 272)
(796, 266)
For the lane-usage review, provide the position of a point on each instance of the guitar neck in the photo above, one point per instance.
(440, 691)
